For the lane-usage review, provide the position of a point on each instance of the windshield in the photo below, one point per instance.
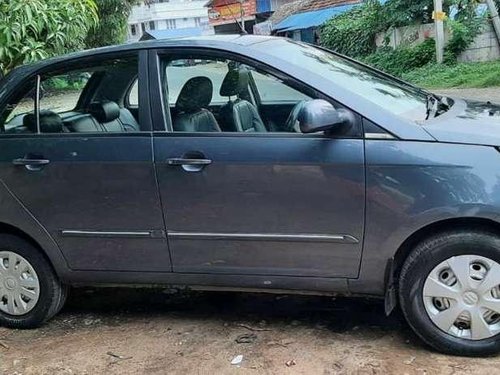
(396, 97)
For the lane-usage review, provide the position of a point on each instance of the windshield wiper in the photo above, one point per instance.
(436, 105)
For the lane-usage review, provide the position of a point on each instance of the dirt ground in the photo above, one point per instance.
(139, 331)
(155, 331)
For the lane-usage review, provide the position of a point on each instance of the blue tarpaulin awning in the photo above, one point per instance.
(313, 18)
(172, 33)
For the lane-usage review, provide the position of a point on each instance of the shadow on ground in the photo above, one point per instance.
(336, 314)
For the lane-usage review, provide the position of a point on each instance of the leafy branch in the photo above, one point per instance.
(36, 29)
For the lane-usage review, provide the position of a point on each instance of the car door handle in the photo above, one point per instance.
(30, 162)
(187, 161)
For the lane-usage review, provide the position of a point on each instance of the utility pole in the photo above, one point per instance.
(494, 17)
(242, 14)
(439, 17)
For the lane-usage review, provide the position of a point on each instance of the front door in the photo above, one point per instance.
(244, 193)
(84, 169)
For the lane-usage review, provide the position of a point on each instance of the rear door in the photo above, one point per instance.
(255, 203)
(85, 170)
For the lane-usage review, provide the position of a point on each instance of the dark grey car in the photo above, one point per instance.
(255, 163)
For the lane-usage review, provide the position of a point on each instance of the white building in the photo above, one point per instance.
(167, 14)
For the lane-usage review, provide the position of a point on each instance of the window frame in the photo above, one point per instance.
(126, 99)
(161, 114)
(78, 62)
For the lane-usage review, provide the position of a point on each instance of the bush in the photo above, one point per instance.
(407, 12)
(65, 83)
(353, 33)
(404, 58)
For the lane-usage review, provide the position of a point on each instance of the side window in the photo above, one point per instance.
(18, 107)
(207, 94)
(89, 98)
(61, 93)
(272, 90)
(179, 72)
(133, 95)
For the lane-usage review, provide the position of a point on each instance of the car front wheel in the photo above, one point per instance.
(30, 292)
(449, 291)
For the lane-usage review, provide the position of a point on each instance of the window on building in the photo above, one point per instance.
(197, 21)
(171, 24)
(133, 30)
(143, 27)
(152, 25)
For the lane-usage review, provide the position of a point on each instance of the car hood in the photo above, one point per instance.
(468, 122)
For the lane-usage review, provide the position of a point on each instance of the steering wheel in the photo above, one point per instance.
(292, 123)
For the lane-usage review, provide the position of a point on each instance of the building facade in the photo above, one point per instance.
(167, 15)
(302, 19)
(226, 16)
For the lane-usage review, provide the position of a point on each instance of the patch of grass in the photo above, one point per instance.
(462, 75)
(404, 58)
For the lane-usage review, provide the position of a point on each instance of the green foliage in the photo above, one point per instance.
(404, 58)
(65, 83)
(35, 29)
(407, 12)
(353, 33)
(484, 74)
(112, 26)
(462, 35)
(464, 29)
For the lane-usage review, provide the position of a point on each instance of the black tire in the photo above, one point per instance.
(52, 292)
(421, 261)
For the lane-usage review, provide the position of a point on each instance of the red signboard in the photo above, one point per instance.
(227, 11)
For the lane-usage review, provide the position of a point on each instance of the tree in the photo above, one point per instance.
(112, 26)
(31, 30)
(406, 12)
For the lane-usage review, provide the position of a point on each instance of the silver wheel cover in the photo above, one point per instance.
(19, 284)
(462, 297)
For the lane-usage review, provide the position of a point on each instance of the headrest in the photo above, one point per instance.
(235, 82)
(50, 122)
(105, 111)
(195, 95)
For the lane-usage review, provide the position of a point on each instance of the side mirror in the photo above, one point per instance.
(319, 115)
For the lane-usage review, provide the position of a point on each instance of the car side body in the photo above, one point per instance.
(361, 204)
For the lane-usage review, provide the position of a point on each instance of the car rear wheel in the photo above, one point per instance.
(30, 292)
(449, 291)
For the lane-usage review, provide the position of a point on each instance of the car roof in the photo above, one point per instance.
(214, 41)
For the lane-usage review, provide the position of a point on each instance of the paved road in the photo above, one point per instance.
(491, 94)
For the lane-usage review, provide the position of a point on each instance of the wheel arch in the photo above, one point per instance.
(395, 263)
(6, 228)
(469, 223)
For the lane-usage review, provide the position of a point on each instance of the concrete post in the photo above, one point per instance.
(494, 18)
(438, 21)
